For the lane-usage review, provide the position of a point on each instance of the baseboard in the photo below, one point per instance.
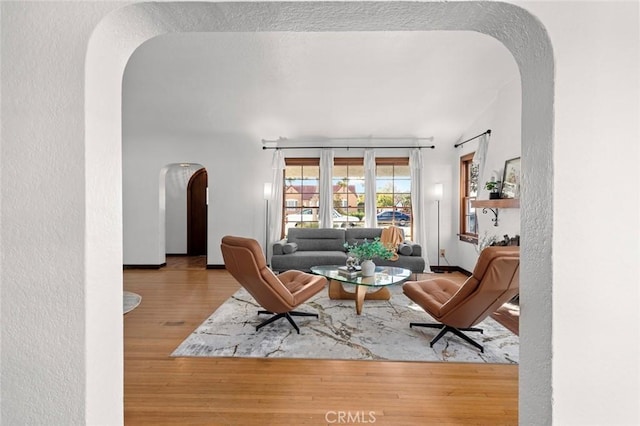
(215, 267)
(464, 271)
(144, 266)
(449, 269)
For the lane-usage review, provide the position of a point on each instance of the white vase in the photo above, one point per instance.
(368, 268)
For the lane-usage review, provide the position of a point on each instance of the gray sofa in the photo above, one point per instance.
(307, 247)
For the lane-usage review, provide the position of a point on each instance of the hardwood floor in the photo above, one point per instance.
(160, 390)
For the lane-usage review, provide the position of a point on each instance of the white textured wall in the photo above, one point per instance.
(236, 172)
(43, 234)
(502, 116)
(61, 263)
(596, 237)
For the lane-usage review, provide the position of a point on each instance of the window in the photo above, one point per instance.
(468, 193)
(301, 194)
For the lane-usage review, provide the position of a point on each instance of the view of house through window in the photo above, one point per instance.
(302, 193)
(348, 192)
(393, 193)
(468, 193)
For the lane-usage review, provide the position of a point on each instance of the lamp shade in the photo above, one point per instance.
(438, 191)
(267, 190)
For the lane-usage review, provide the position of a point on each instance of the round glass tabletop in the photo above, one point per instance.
(384, 275)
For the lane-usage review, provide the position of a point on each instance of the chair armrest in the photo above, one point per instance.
(278, 246)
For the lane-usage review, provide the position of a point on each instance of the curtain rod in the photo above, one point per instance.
(350, 138)
(364, 139)
(347, 147)
(488, 132)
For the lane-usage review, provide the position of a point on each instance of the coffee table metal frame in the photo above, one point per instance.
(383, 277)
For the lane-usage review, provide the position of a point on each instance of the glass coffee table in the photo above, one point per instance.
(384, 276)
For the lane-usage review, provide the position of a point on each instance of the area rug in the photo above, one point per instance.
(130, 301)
(381, 332)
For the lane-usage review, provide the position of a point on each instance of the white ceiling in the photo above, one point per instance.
(347, 84)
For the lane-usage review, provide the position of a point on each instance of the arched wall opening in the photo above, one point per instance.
(118, 35)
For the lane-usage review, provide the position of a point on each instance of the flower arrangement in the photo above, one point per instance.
(369, 249)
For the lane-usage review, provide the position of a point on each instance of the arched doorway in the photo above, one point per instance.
(183, 195)
(517, 29)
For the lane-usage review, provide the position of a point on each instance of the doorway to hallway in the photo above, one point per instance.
(197, 214)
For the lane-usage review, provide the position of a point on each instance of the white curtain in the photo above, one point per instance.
(480, 158)
(370, 207)
(325, 214)
(274, 226)
(418, 205)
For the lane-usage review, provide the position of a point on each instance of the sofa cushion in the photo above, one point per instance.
(304, 260)
(413, 263)
(358, 235)
(289, 248)
(321, 239)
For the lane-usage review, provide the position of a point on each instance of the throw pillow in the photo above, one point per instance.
(289, 248)
(405, 249)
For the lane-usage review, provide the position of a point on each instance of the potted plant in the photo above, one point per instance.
(366, 251)
(494, 188)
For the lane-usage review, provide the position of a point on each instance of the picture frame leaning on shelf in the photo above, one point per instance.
(511, 179)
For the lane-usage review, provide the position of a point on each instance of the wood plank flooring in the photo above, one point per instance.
(160, 390)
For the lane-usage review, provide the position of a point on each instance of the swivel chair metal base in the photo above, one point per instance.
(444, 329)
(286, 315)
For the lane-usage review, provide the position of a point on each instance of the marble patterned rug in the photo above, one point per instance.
(381, 332)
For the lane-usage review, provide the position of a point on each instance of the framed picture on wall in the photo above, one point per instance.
(511, 179)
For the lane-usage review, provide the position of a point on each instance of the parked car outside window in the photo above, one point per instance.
(393, 216)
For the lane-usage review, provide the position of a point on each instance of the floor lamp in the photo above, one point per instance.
(267, 196)
(438, 191)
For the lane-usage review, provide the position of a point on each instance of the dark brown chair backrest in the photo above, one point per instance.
(495, 281)
(244, 260)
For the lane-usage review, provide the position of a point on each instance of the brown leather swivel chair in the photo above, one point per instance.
(495, 281)
(278, 294)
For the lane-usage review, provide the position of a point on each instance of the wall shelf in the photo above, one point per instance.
(494, 205)
(503, 203)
